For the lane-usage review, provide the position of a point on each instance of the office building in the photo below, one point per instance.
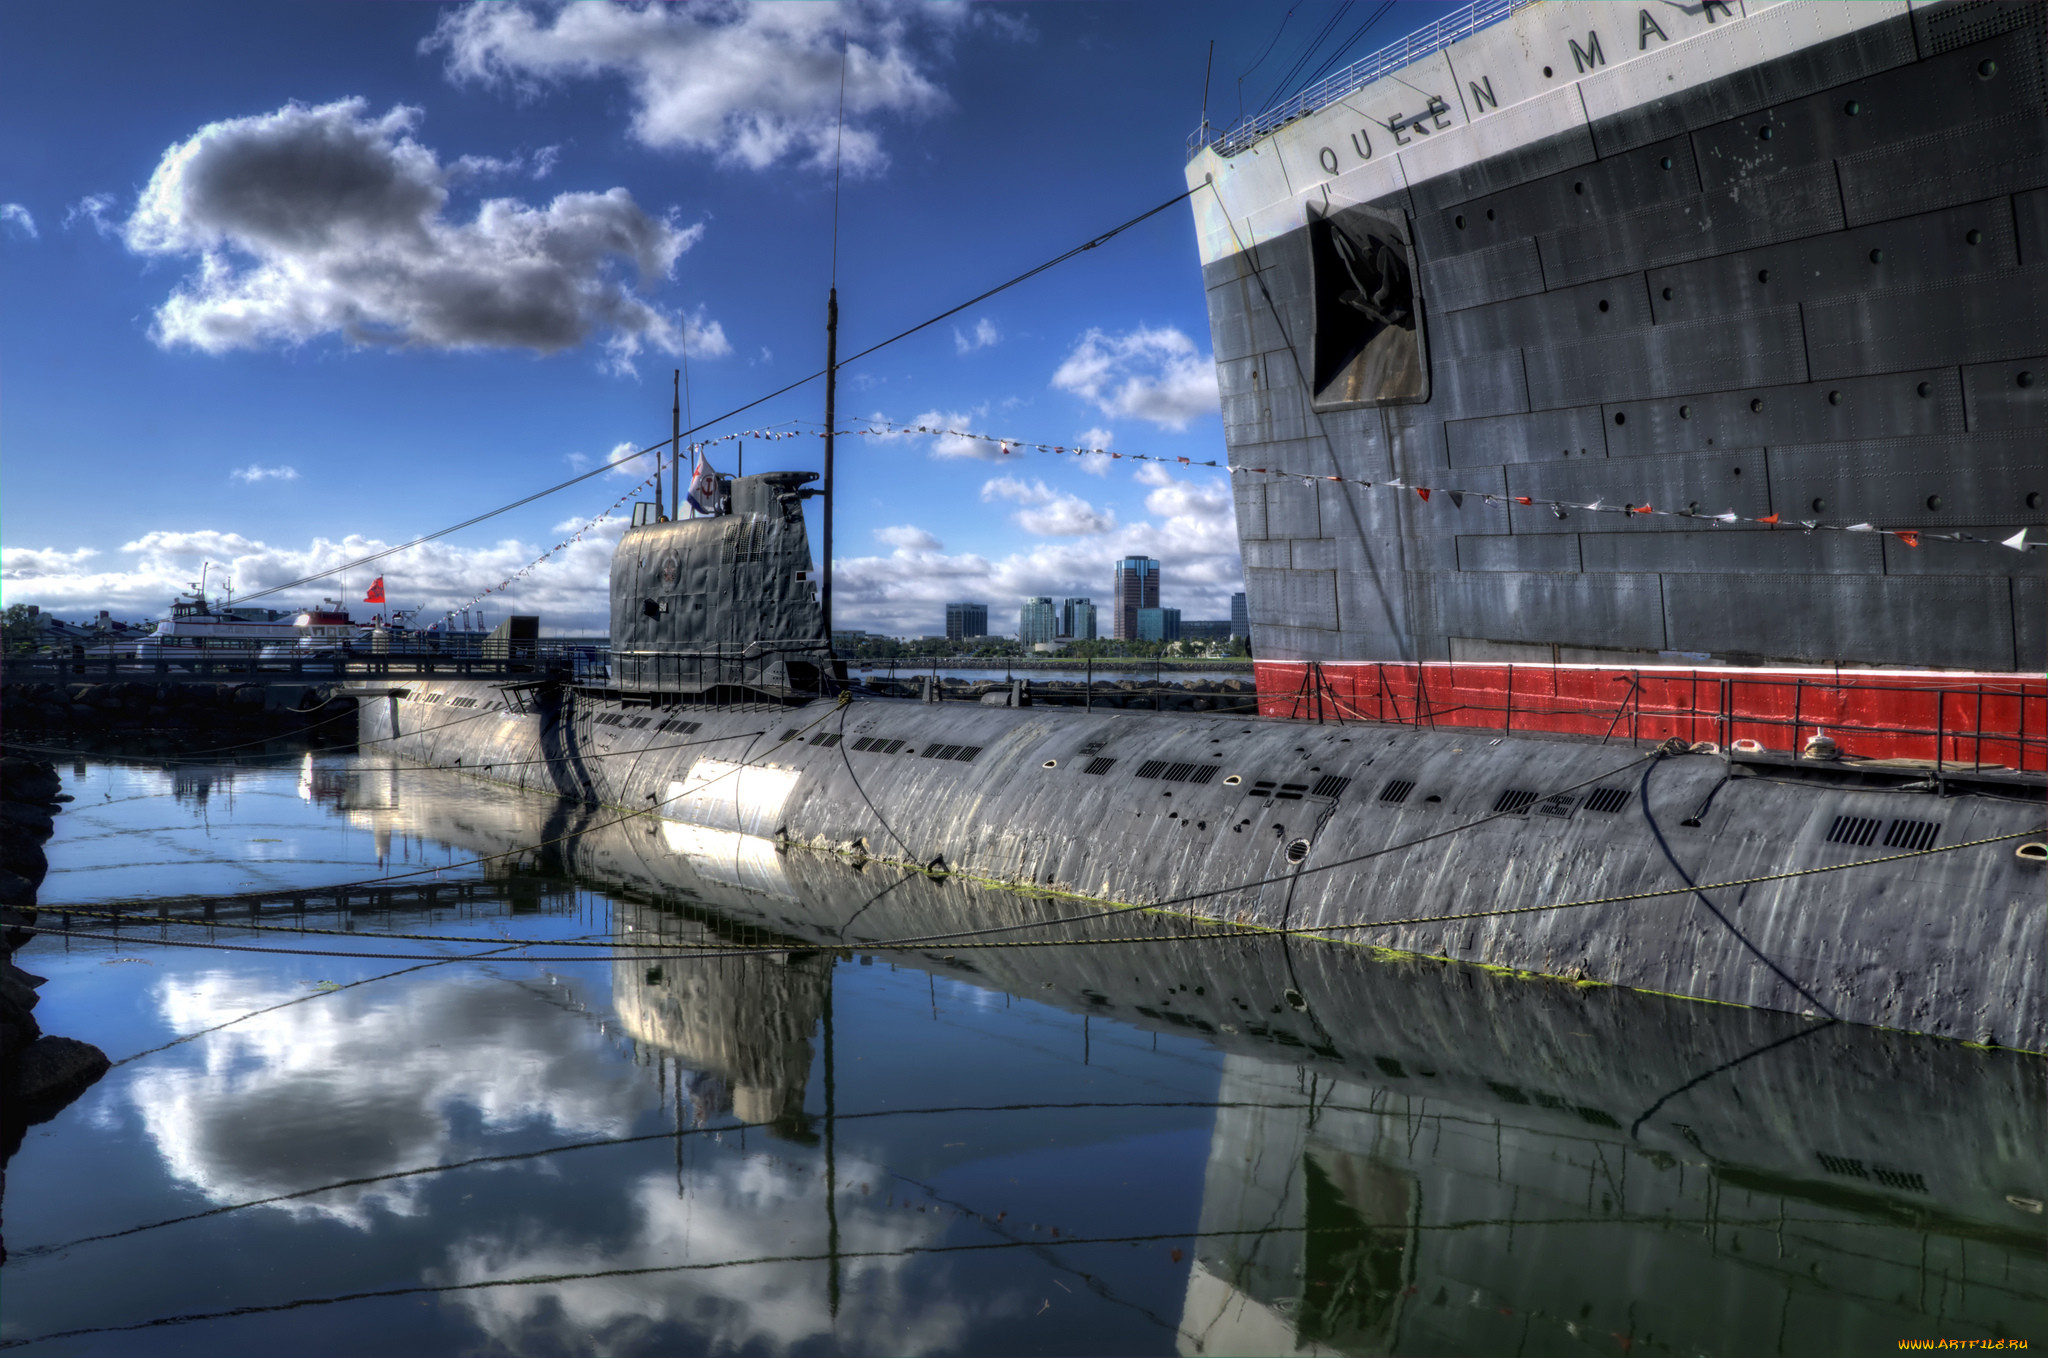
(1037, 621)
(1136, 587)
(1240, 617)
(966, 620)
(1077, 619)
(1158, 624)
(1209, 629)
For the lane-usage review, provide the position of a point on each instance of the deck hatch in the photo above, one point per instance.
(1861, 831)
(1513, 801)
(1912, 835)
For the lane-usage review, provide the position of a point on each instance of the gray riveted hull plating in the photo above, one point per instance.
(1293, 825)
(1814, 284)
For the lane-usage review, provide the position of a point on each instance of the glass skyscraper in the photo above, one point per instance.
(1136, 587)
(1037, 621)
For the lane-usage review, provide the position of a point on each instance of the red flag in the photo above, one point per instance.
(1909, 536)
(1523, 500)
(1423, 491)
(376, 594)
(1768, 518)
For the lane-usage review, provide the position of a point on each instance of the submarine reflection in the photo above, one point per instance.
(1406, 1156)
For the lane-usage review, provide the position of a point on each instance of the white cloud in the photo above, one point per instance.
(942, 444)
(502, 1063)
(624, 464)
(568, 592)
(18, 217)
(326, 220)
(1193, 532)
(1094, 463)
(1048, 512)
(904, 537)
(252, 473)
(544, 161)
(1148, 374)
(93, 210)
(983, 336)
(752, 84)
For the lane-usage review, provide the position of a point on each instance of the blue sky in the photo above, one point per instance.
(282, 284)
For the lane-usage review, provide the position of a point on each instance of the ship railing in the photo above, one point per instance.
(1430, 38)
(1972, 722)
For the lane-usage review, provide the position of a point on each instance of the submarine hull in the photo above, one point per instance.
(1826, 889)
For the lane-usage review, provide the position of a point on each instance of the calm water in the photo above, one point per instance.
(1193, 1147)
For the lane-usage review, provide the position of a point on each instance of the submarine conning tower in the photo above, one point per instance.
(725, 605)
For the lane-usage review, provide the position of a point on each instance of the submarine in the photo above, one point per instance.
(1889, 893)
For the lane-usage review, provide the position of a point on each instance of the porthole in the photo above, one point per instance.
(1579, 186)
(1667, 294)
(1603, 304)
(1665, 163)
(1834, 398)
(1756, 406)
(1737, 470)
(1763, 275)
(2025, 379)
(1764, 133)
(1546, 73)
(1852, 108)
(1685, 412)
(1877, 256)
(1621, 417)
(2033, 499)
(1986, 69)
(1233, 780)
(1489, 214)
(1297, 851)
(1819, 505)
(1926, 389)
(1934, 502)
(1974, 236)
(1459, 221)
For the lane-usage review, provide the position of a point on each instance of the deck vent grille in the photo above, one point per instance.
(788, 735)
(877, 745)
(865, 743)
(1911, 835)
(1397, 791)
(1513, 801)
(1608, 799)
(1843, 1165)
(1898, 1178)
(1558, 804)
(1330, 785)
(1184, 773)
(1204, 773)
(826, 738)
(967, 752)
(1861, 831)
(941, 751)
(1099, 765)
(1152, 768)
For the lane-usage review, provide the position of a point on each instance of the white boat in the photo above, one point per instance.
(196, 623)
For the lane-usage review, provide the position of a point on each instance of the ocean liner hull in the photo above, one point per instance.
(1763, 259)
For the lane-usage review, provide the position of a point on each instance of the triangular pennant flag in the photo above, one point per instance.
(1861, 528)
(2018, 541)
(1423, 491)
(1644, 509)
(1396, 484)
(1908, 536)
(1768, 518)
(1524, 500)
(1457, 498)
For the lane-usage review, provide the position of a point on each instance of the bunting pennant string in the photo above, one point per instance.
(1909, 537)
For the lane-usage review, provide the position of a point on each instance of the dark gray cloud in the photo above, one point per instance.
(326, 220)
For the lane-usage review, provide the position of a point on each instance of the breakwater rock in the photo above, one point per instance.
(39, 1073)
(129, 708)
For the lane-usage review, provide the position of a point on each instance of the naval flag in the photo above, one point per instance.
(376, 594)
(704, 486)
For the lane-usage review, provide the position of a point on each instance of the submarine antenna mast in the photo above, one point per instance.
(675, 451)
(832, 365)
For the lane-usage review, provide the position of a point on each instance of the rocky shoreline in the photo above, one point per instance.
(39, 1073)
(126, 708)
